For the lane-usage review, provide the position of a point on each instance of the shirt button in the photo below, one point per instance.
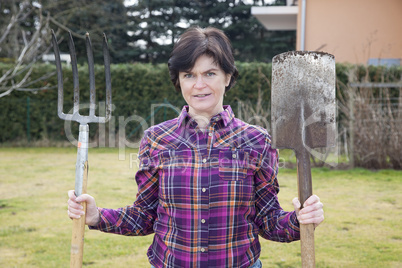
(234, 155)
(202, 249)
(204, 160)
(204, 190)
(210, 134)
(202, 221)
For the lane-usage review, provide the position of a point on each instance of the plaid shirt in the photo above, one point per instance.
(206, 196)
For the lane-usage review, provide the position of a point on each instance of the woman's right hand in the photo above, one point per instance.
(75, 209)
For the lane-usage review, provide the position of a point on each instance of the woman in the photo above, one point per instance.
(207, 182)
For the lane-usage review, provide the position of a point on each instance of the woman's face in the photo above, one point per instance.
(203, 87)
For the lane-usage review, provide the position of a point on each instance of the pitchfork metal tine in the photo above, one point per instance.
(92, 90)
(108, 79)
(75, 74)
(60, 97)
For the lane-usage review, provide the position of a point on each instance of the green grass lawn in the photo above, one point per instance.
(362, 227)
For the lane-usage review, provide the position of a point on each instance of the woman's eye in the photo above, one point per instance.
(210, 74)
(188, 76)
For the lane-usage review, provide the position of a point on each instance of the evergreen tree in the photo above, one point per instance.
(146, 30)
(155, 24)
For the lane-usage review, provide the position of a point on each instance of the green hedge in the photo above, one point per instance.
(135, 87)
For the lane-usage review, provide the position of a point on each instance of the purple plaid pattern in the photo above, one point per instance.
(206, 195)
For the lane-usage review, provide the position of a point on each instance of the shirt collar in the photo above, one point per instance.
(226, 116)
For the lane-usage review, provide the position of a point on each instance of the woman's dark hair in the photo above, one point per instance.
(196, 42)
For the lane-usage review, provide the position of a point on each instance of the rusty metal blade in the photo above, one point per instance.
(303, 106)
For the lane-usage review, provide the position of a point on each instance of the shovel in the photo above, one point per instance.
(303, 117)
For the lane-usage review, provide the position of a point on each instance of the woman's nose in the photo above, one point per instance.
(199, 83)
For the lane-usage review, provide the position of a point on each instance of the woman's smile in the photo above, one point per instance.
(202, 96)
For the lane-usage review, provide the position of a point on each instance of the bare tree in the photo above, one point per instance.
(373, 112)
(22, 46)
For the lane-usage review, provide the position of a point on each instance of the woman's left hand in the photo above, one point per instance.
(312, 211)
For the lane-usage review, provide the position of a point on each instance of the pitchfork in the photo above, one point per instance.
(81, 172)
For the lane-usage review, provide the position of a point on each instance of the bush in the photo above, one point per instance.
(137, 89)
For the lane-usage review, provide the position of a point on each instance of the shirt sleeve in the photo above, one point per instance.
(136, 219)
(274, 223)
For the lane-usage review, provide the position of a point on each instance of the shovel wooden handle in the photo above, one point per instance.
(305, 191)
(77, 241)
(307, 245)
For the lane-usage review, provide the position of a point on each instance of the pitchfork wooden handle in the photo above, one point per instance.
(77, 241)
(305, 191)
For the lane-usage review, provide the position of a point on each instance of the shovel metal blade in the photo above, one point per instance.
(303, 108)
